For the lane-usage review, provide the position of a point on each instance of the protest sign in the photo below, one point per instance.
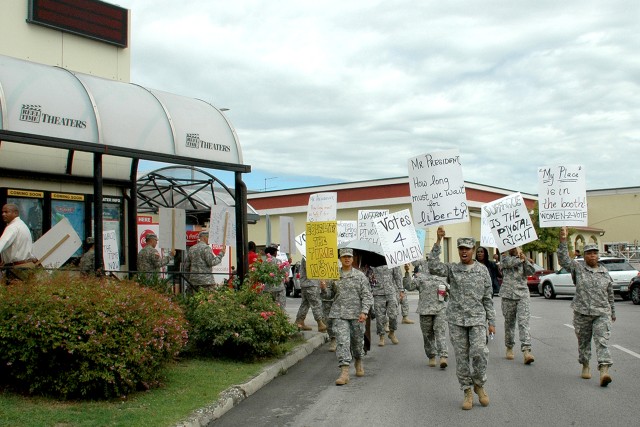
(322, 207)
(562, 196)
(172, 229)
(57, 245)
(486, 236)
(398, 238)
(110, 252)
(301, 243)
(347, 231)
(366, 226)
(510, 222)
(222, 226)
(287, 235)
(322, 250)
(437, 189)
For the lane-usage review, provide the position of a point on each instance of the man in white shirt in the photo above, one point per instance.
(15, 242)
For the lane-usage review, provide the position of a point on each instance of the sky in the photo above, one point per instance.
(323, 92)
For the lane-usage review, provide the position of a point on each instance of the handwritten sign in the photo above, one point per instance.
(222, 225)
(322, 207)
(287, 235)
(398, 238)
(301, 243)
(172, 228)
(110, 252)
(562, 196)
(437, 189)
(322, 250)
(486, 236)
(57, 245)
(347, 231)
(510, 222)
(366, 224)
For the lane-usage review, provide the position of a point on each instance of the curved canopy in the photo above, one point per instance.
(55, 103)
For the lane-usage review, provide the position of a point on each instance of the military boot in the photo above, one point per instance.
(605, 378)
(509, 354)
(381, 342)
(586, 371)
(528, 357)
(407, 321)
(359, 368)
(302, 326)
(467, 403)
(483, 397)
(392, 337)
(333, 345)
(443, 362)
(322, 327)
(432, 362)
(344, 376)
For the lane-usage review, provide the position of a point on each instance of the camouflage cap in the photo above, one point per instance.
(466, 242)
(151, 236)
(590, 247)
(346, 252)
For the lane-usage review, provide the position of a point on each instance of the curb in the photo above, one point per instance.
(237, 393)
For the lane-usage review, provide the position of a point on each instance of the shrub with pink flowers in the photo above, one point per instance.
(267, 273)
(69, 336)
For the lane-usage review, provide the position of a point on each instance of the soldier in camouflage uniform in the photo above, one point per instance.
(386, 283)
(310, 292)
(433, 318)
(149, 260)
(470, 308)
(593, 307)
(278, 292)
(514, 294)
(352, 301)
(403, 302)
(200, 260)
(88, 260)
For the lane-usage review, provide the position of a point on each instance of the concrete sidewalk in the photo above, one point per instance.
(237, 393)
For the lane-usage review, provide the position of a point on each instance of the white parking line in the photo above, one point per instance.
(634, 354)
(569, 326)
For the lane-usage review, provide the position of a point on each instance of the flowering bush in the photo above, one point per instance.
(266, 274)
(243, 324)
(70, 336)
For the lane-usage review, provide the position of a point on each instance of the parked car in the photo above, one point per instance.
(634, 289)
(533, 281)
(561, 283)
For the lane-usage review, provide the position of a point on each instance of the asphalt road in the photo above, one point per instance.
(400, 389)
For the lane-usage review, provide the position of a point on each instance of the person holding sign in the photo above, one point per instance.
(149, 260)
(352, 301)
(386, 284)
(593, 307)
(470, 308)
(200, 260)
(515, 301)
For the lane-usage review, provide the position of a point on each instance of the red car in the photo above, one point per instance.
(534, 280)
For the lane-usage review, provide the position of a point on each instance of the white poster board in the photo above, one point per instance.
(301, 243)
(347, 231)
(366, 224)
(510, 222)
(486, 236)
(110, 253)
(322, 207)
(398, 238)
(438, 194)
(57, 245)
(562, 198)
(173, 229)
(287, 235)
(222, 226)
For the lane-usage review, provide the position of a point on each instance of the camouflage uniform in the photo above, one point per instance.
(310, 292)
(150, 261)
(88, 262)
(470, 307)
(432, 312)
(351, 296)
(515, 300)
(385, 285)
(592, 306)
(200, 260)
(404, 304)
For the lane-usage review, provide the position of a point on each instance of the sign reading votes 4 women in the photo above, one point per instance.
(437, 189)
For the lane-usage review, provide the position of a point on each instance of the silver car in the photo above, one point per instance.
(561, 283)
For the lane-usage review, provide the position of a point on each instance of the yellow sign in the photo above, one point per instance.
(64, 196)
(322, 250)
(25, 193)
